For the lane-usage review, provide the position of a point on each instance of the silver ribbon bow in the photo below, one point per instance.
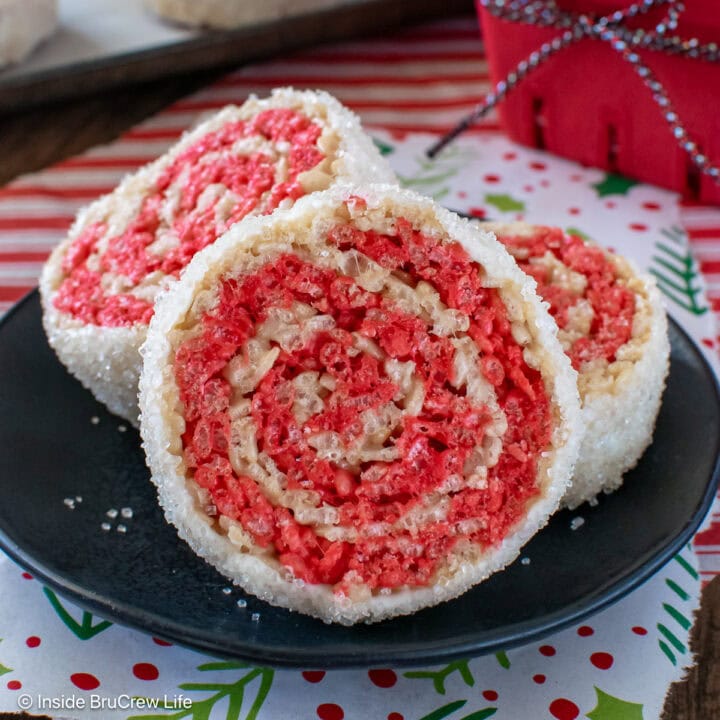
(610, 29)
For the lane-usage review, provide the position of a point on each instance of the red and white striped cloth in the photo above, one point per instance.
(422, 79)
(419, 80)
(702, 225)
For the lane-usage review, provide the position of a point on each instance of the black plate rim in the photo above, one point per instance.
(522, 633)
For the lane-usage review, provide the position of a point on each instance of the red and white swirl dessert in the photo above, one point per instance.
(612, 324)
(359, 407)
(99, 285)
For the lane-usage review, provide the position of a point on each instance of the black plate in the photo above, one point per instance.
(150, 580)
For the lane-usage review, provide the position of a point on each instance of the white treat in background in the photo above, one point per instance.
(228, 14)
(23, 25)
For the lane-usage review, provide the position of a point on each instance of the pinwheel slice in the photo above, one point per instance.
(359, 407)
(99, 285)
(612, 325)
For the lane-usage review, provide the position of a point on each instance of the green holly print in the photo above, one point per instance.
(676, 273)
(438, 677)
(251, 680)
(668, 640)
(613, 184)
(431, 177)
(613, 708)
(447, 710)
(505, 203)
(383, 147)
(503, 659)
(3, 668)
(578, 233)
(85, 629)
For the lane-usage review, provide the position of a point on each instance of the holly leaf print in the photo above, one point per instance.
(450, 709)
(383, 147)
(613, 184)
(676, 620)
(236, 694)
(444, 711)
(4, 669)
(503, 659)
(676, 272)
(505, 203)
(438, 677)
(432, 177)
(577, 233)
(610, 707)
(83, 629)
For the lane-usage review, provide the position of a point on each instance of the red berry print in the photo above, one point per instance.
(462, 194)
(602, 660)
(490, 695)
(162, 643)
(395, 716)
(576, 178)
(545, 183)
(492, 178)
(33, 641)
(651, 205)
(477, 212)
(330, 711)
(537, 165)
(708, 342)
(528, 188)
(382, 678)
(145, 671)
(313, 676)
(27, 576)
(84, 681)
(639, 630)
(638, 227)
(610, 204)
(509, 156)
(539, 678)
(14, 685)
(564, 709)
(547, 650)
(585, 631)
(574, 211)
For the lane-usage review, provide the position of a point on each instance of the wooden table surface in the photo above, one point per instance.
(32, 139)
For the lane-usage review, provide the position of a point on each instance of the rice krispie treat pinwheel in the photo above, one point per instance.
(99, 285)
(359, 407)
(613, 327)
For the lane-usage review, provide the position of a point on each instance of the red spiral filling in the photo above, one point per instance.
(251, 177)
(613, 304)
(432, 445)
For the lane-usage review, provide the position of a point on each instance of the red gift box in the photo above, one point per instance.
(588, 104)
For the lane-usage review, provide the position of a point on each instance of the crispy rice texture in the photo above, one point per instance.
(162, 423)
(620, 400)
(106, 360)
